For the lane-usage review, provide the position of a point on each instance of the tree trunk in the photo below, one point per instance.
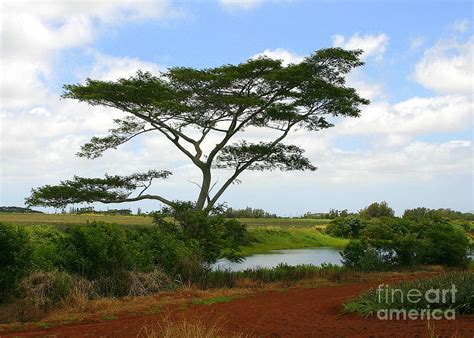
(205, 186)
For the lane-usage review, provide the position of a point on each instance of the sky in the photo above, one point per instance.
(411, 147)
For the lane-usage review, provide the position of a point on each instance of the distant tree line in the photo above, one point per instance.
(19, 210)
(248, 213)
(91, 210)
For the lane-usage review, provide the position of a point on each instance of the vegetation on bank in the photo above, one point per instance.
(403, 295)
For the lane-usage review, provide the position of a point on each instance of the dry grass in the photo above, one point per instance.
(431, 329)
(185, 329)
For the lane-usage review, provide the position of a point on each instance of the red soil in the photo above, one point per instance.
(293, 313)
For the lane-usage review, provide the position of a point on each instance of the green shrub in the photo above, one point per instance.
(15, 257)
(46, 242)
(95, 250)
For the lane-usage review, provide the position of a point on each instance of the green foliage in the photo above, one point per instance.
(15, 257)
(361, 255)
(377, 210)
(270, 156)
(79, 189)
(346, 227)
(372, 300)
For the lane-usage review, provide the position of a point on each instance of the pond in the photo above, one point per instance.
(314, 256)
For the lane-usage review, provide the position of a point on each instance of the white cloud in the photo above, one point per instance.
(412, 117)
(447, 67)
(34, 33)
(372, 45)
(108, 68)
(280, 54)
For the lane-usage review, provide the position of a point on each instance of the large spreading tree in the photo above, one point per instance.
(204, 115)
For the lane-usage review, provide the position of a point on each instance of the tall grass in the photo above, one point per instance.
(371, 301)
(281, 273)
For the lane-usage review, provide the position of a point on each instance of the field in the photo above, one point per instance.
(133, 220)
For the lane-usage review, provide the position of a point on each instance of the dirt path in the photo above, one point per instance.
(292, 313)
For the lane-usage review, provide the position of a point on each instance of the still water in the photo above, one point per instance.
(314, 256)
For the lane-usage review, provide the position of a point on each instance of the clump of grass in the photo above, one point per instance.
(185, 329)
(369, 302)
(214, 300)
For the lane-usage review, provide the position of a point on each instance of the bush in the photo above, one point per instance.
(96, 249)
(46, 243)
(15, 257)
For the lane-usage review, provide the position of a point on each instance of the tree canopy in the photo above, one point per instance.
(204, 113)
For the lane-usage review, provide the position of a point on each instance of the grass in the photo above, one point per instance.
(284, 222)
(394, 297)
(214, 300)
(275, 238)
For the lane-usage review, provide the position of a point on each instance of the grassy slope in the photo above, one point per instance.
(274, 238)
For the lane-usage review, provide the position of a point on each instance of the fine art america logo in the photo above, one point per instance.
(415, 304)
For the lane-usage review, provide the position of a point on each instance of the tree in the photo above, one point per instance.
(377, 210)
(193, 108)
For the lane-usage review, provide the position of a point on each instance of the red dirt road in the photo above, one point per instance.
(292, 313)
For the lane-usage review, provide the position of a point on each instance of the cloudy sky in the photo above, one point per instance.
(411, 147)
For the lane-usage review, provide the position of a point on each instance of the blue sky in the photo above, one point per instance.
(412, 146)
